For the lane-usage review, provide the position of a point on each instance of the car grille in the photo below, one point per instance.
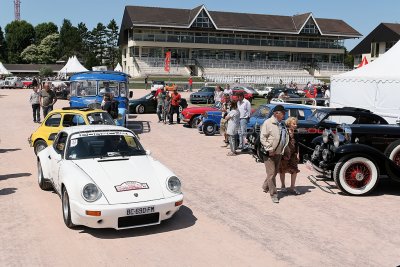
(130, 221)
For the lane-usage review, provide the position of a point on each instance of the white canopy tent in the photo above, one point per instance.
(3, 70)
(73, 66)
(118, 67)
(375, 86)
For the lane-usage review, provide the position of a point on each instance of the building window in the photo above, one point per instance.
(202, 21)
(374, 49)
(310, 28)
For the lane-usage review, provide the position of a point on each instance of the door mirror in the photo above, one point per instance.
(52, 136)
(130, 94)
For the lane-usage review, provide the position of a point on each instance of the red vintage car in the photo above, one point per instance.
(191, 115)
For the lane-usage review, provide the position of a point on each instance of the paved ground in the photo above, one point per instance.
(227, 220)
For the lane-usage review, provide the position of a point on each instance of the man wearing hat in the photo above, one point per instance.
(274, 138)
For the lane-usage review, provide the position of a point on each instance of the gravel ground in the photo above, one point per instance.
(226, 218)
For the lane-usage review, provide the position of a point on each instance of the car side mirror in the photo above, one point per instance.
(52, 137)
(148, 152)
(130, 94)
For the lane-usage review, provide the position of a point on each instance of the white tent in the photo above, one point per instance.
(3, 69)
(118, 67)
(73, 65)
(375, 86)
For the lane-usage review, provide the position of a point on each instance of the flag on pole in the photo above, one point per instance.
(364, 62)
(167, 65)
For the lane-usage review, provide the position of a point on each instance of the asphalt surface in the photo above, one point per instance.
(226, 219)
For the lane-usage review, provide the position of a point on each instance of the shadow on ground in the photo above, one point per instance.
(5, 150)
(139, 127)
(7, 191)
(302, 189)
(14, 175)
(184, 218)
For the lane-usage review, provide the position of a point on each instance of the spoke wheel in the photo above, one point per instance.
(140, 109)
(356, 175)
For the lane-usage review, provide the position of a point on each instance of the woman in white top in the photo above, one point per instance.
(233, 119)
(218, 96)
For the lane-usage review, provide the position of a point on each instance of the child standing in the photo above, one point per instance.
(166, 108)
(34, 100)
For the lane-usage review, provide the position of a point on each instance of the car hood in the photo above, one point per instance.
(120, 178)
(198, 110)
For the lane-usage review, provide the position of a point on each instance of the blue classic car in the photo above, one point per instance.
(88, 88)
(204, 95)
(210, 122)
(301, 112)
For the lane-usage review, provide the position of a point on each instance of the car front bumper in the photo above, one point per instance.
(116, 216)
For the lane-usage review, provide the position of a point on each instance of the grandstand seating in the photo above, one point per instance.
(155, 66)
(329, 69)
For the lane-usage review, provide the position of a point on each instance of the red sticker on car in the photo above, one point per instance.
(131, 185)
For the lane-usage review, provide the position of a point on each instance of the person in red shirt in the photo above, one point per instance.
(190, 84)
(175, 101)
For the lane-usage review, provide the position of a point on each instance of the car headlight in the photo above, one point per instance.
(325, 136)
(91, 192)
(174, 184)
(336, 140)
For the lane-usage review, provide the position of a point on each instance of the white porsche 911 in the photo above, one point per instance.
(107, 180)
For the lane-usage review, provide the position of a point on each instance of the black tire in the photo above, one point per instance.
(39, 146)
(66, 208)
(44, 184)
(349, 175)
(210, 100)
(194, 121)
(140, 109)
(209, 128)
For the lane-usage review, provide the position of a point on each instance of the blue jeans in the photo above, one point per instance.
(242, 133)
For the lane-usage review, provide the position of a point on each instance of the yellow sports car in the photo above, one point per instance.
(66, 117)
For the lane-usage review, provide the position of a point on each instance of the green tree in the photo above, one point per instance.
(98, 41)
(30, 54)
(45, 71)
(45, 53)
(70, 41)
(42, 30)
(3, 47)
(112, 43)
(19, 35)
(348, 59)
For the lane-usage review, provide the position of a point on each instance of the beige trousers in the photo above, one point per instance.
(271, 168)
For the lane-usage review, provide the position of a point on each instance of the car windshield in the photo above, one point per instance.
(103, 145)
(317, 116)
(100, 118)
(158, 82)
(206, 89)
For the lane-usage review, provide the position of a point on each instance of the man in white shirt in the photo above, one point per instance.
(244, 107)
(328, 96)
(228, 90)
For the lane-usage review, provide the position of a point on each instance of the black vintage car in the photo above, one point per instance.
(325, 118)
(357, 156)
(148, 104)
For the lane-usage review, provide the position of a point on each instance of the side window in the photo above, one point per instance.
(297, 113)
(341, 119)
(73, 120)
(59, 144)
(54, 120)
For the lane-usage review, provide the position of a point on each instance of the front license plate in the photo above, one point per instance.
(139, 211)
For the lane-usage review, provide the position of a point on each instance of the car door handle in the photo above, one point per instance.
(49, 157)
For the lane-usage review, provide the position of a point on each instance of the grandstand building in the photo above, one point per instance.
(221, 46)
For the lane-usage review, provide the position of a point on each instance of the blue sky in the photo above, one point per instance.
(363, 15)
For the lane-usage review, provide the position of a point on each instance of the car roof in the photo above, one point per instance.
(93, 128)
(77, 110)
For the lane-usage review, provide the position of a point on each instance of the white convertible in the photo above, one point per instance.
(107, 180)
